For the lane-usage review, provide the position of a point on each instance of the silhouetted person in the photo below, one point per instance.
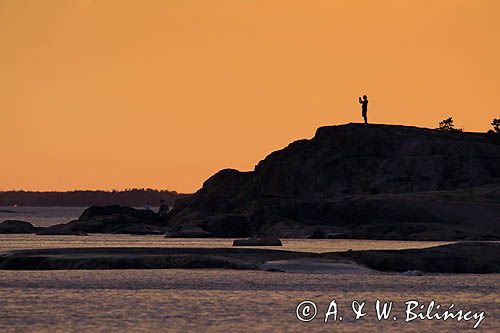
(163, 210)
(364, 107)
(147, 206)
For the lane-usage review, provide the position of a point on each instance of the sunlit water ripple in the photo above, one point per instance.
(214, 300)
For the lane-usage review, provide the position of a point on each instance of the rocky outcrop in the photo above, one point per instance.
(466, 257)
(142, 258)
(358, 181)
(110, 219)
(257, 242)
(61, 230)
(16, 227)
(120, 214)
(189, 232)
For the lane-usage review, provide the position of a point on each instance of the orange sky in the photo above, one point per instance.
(119, 94)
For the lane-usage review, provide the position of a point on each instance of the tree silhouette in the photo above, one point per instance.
(496, 125)
(447, 126)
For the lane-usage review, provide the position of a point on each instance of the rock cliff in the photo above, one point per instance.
(358, 181)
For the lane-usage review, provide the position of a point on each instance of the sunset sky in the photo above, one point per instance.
(119, 94)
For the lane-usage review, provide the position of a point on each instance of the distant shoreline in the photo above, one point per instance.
(84, 198)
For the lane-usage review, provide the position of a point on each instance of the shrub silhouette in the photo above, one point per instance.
(447, 126)
(496, 125)
(494, 134)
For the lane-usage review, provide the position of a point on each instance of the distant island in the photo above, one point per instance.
(130, 197)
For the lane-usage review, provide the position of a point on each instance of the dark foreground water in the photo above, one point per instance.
(214, 300)
(230, 301)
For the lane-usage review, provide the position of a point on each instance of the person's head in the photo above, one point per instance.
(365, 97)
(162, 201)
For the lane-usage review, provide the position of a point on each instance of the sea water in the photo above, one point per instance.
(215, 300)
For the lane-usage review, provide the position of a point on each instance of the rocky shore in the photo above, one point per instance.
(110, 220)
(357, 181)
(465, 257)
(17, 227)
(351, 181)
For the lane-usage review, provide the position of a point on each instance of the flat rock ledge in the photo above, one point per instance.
(257, 242)
(465, 257)
(141, 258)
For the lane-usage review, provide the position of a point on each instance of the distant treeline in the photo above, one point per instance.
(131, 197)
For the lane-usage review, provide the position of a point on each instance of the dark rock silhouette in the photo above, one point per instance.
(120, 214)
(163, 209)
(110, 219)
(257, 242)
(16, 227)
(189, 232)
(466, 257)
(61, 229)
(143, 258)
(130, 197)
(357, 181)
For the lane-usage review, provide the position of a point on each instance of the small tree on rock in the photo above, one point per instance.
(447, 126)
(496, 125)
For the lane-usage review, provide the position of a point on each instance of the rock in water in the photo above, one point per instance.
(116, 213)
(110, 219)
(412, 273)
(60, 229)
(465, 257)
(257, 242)
(358, 181)
(16, 227)
(462, 257)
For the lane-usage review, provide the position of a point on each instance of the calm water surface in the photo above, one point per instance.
(229, 301)
(213, 300)
(17, 242)
(41, 216)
